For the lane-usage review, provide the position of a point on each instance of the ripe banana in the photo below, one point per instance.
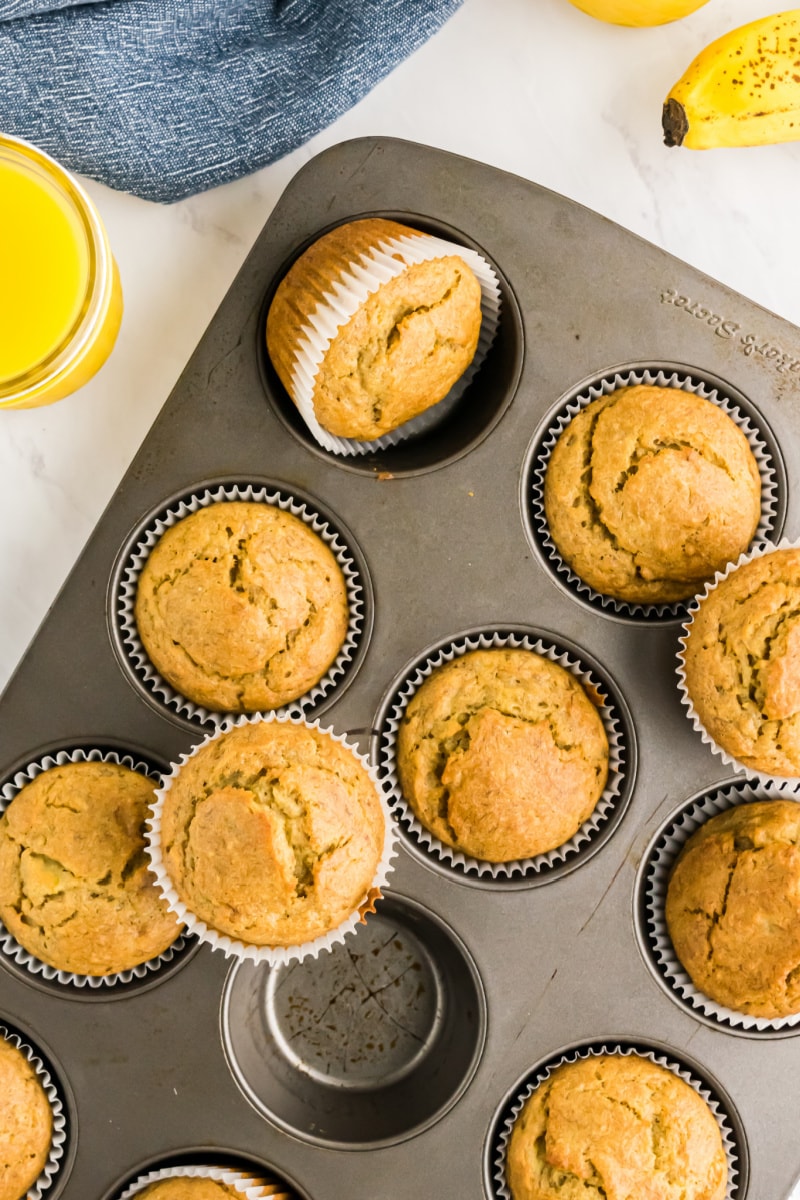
(638, 12)
(742, 90)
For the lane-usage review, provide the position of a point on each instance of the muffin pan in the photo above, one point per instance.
(296, 1071)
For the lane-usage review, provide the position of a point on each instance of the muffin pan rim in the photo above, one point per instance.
(216, 361)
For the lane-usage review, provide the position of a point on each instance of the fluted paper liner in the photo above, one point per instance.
(251, 1186)
(233, 947)
(604, 387)
(10, 946)
(670, 843)
(728, 1139)
(781, 783)
(387, 757)
(389, 258)
(58, 1136)
(124, 601)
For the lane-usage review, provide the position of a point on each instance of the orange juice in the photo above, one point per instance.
(60, 297)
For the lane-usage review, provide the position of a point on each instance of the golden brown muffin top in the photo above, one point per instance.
(241, 607)
(272, 833)
(618, 1127)
(733, 908)
(401, 351)
(184, 1187)
(26, 1123)
(501, 754)
(75, 887)
(649, 491)
(742, 663)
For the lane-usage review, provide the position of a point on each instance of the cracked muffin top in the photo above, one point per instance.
(502, 754)
(272, 833)
(75, 888)
(649, 491)
(742, 663)
(241, 607)
(26, 1123)
(616, 1126)
(733, 908)
(401, 351)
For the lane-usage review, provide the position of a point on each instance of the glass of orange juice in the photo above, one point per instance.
(60, 295)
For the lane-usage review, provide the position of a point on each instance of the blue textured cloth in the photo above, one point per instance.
(165, 98)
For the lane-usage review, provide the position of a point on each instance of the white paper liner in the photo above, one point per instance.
(10, 946)
(672, 840)
(58, 1136)
(233, 947)
(593, 1051)
(781, 783)
(251, 1186)
(125, 600)
(387, 757)
(352, 288)
(604, 387)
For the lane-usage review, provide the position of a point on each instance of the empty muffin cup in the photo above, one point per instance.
(657, 946)
(54, 879)
(686, 469)
(366, 1046)
(267, 618)
(592, 832)
(716, 1105)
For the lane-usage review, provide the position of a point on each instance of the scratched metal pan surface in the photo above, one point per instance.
(384, 1070)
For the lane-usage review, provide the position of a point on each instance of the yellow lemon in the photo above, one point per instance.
(638, 12)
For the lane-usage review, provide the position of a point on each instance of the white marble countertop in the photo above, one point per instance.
(531, 86)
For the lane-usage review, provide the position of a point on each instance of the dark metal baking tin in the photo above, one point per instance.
(441, 530)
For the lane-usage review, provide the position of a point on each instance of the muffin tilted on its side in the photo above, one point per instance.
(733, 908)
(241, 607)
(501, 754)
(616, 1125)
(271, 833)
(26, 1123)
(741, 663)
(649, 491)
(75, 887)
(402, 350)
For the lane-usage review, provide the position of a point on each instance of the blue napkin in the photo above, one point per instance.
(164, 98)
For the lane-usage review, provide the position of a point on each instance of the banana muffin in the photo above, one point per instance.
(26, 1123)
(649, 491)
(197, 1187)
(742, 663)
(403, 348)
(75, 888)
(733, 908)
(184, 1187)
(501, 754)
(616, 1126)
(272, 833)
(241, 607)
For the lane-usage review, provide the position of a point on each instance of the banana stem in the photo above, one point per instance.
(674, 122)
